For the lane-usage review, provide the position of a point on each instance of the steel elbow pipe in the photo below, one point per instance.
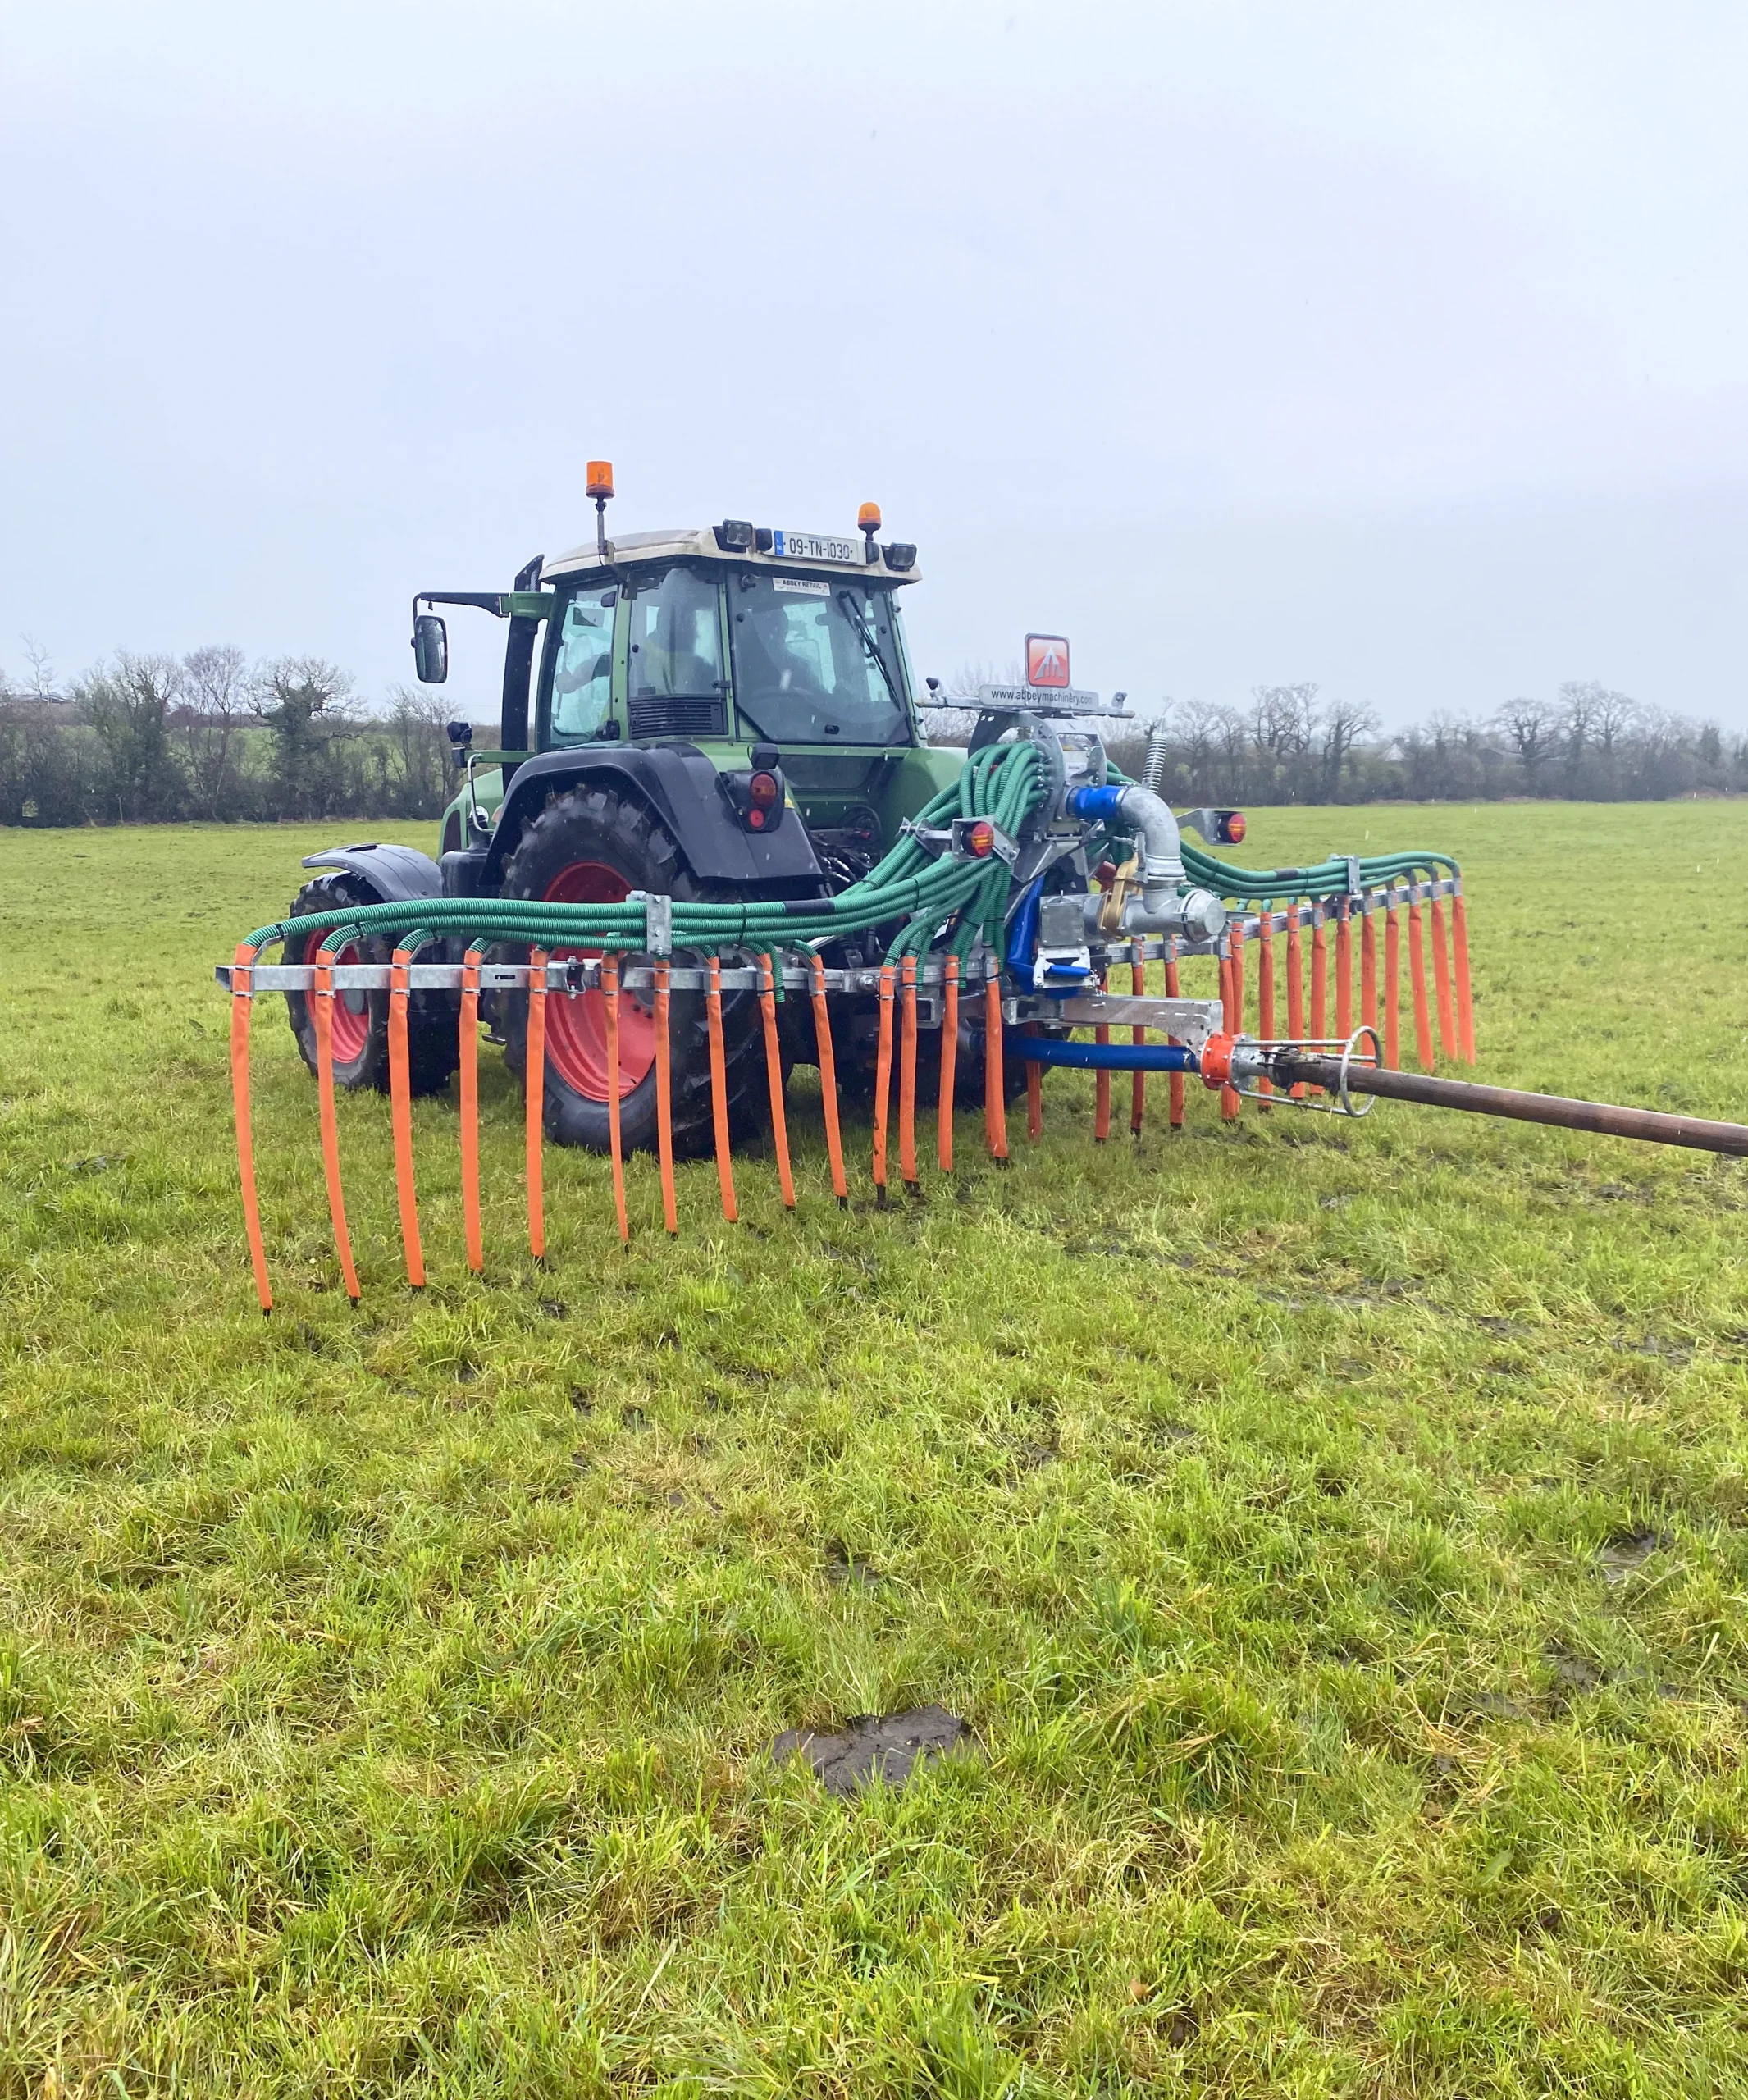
(1192, 915)
(1141, 810)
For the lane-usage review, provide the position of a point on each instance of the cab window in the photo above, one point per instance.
(676, 648)
(582, 668)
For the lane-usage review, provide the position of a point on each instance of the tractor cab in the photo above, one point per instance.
(753, 647)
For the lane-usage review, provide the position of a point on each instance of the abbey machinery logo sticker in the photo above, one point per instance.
(1046, 659)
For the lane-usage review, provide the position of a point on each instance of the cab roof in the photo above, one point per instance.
(699, 543)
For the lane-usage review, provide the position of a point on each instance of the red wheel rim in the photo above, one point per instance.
(349, 1027)
(576, 1026)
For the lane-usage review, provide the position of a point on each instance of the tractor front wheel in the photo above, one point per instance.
(594, 846)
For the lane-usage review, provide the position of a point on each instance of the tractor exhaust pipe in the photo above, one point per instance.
(1295, 1067)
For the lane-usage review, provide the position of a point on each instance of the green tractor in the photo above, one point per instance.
(700, 715)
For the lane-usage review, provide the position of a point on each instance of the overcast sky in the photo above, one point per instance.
(1399, 348)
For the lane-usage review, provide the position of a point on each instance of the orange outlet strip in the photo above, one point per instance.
(1228, 1025)
(949, 1064)
(610, 1001)
(1343, 971)
(907, 1075)
(1138, 1080)
(1368, 970)
(665, 1096)
(995, 1101)
(719, 1090)
(1441, 978)
(469, 1048)
(242, 1002)
(534, 1099)
(1417, 981)
(883, 1080)
(1392, 982)
(1459, 927)
(400, 1116)
(828, 1080)
(773, 1067)
(322, 991)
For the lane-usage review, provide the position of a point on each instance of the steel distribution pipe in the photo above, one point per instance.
(1611, 1120)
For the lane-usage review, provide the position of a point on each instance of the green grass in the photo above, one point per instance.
(383, 1694)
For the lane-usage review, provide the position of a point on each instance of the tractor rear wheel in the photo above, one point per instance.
(595, 846)
(359, 1035)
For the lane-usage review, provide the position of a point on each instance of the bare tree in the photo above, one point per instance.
(215, 685)
(1284, 718)
(302, 701)
(1534, 727)
(41, 683)
(1344, 722)
(127, 704)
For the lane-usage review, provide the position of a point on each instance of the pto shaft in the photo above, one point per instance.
(1615, 1122)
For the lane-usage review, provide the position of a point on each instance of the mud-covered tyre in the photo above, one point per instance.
(359, 1032)
(594, 846)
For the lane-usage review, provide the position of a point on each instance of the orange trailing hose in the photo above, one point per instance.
(1235, 937)
(1344, 969)
(907, 1074)
(534, 1100)
(242, 1000)
(995, 1102)
(1035, 1102)
(665, 1096)
(1228, 1017)
(883, 1080)
(949, 1064)
(719, 1089)
(400, 1116)
(615, 1143)
(322, 991)
(1459, 927)
(1295, 986)
(1175, 1088)
(1319, 971)
(828, 1080)
(1441, 975)
(1417, 980)
(1138, 1080)
(1368, 965)
(1392, 981)
(1265, 987)
(773, 1068)
(469, 1047)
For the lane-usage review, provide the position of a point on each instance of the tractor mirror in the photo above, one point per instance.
(431, 649)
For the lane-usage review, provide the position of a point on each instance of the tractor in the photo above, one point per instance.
(719, 714)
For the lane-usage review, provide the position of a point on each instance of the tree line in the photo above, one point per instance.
(154, 739)
(145, 739)
(1293, 744)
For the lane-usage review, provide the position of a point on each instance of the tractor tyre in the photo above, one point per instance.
(360, 1030)
(595, 846)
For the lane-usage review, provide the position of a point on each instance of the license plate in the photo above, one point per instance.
(811, 546)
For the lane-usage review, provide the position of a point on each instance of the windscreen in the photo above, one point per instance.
(816, 661)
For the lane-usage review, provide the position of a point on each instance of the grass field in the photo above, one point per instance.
(1336, 1535)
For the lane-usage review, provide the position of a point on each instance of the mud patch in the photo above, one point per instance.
(888, 1747)
(1627, 1553)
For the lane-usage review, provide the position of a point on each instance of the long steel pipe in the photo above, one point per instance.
(1605, 1117)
